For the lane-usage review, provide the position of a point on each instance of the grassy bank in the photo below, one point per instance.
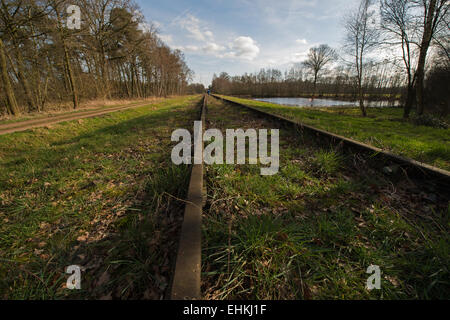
(100, 193)
(383, 128)
(311, 231)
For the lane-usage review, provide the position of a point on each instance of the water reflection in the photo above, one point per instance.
(305, 102)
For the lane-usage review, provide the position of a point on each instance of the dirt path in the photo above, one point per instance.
(35, 123)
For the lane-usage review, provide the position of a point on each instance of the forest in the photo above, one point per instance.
(114, 54)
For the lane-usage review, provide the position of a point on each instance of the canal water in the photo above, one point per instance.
(305, 102)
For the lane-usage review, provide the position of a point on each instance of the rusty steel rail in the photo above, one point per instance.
(186, 279)
(412, 167)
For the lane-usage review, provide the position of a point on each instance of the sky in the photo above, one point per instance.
(238, 36)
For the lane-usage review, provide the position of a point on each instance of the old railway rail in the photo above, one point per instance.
(37, 123)
(412, 168)
(186, 282)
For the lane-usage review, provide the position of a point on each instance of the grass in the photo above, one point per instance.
(100, 193)
(383, 128)
(312, 231)
(89, 107)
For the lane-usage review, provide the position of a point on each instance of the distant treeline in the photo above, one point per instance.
(114, 54)
(298, 81)
(195, 88)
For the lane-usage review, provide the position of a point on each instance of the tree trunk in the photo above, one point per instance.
(104, 72)
(10, 97)
(23, 79)
(361, 103)
(359, 67)
(73, 87)
(409, 101)
(315, 85)
(427, 34)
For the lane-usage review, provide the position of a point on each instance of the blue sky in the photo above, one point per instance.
(238, 36)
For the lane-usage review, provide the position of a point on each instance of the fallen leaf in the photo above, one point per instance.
(82, 238)
(44, 225)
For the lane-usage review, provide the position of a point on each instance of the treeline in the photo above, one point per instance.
(299, 81)
(195, 88)
(113, 54)
(391, 48)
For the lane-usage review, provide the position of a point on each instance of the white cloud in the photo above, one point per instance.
(302, 41)
(209, 34)
(193, 26)
(188, 48)
(299, 56)
(213, 48)
(192, 48)
(245, 48)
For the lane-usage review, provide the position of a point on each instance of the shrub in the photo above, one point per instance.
(430, 121)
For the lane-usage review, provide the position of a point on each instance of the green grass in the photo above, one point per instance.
(101, 193)
(311, 231)
(383, 128)
(55, 113)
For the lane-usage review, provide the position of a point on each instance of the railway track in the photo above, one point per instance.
(186, 279)
(410, 167)
(186, 284)
(36, 123)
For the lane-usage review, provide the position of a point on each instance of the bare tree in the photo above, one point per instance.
(10, 97)
(63, 36)
(15, 15)
(434, 13)
(397, 26)
(362, 36)
(318, 58)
